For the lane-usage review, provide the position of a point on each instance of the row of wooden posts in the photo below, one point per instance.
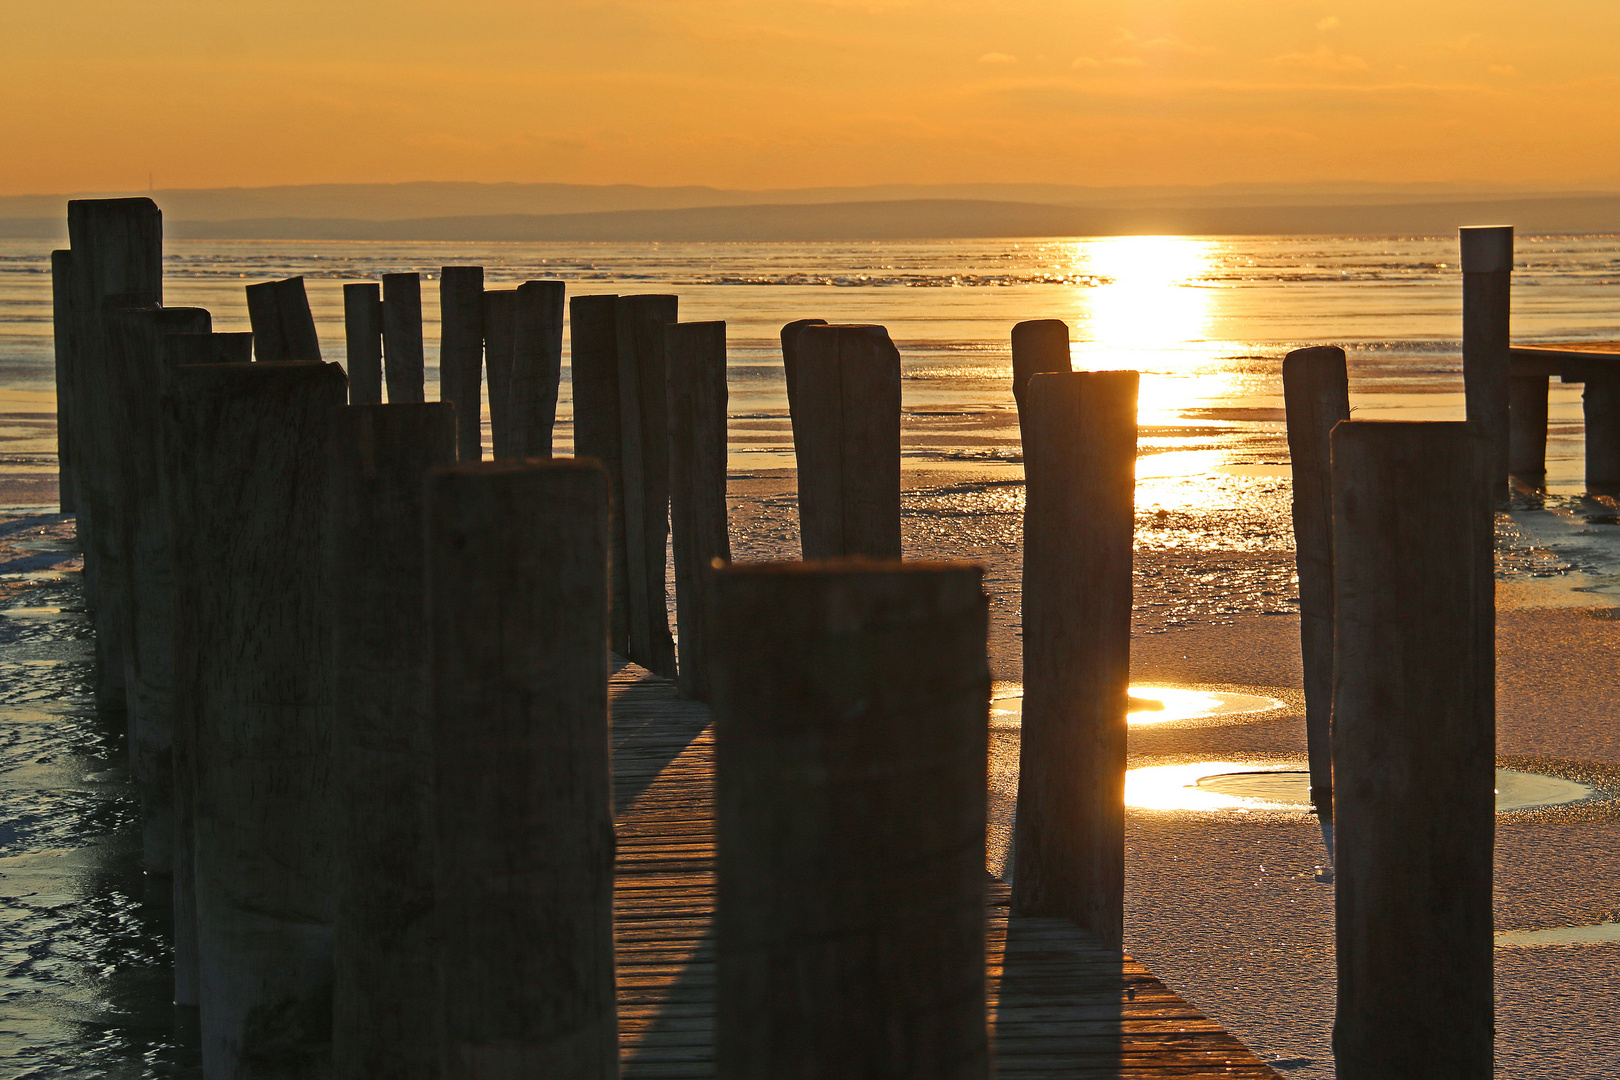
(375, 673)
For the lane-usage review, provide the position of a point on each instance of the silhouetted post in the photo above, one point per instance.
(594, 368)
(1413, 749)
(536, 366)
(363, 328)
(1600, 401)
(644, 427)
(117, 249)
(1487, 263)
(846, 438)
(385, 1018)
(253, 440)
(403, 359)
(517, 610)
(62, 339)
(461, 353)
(500, 312)
(851, 713)
(283, 325)
(1527, 423)
(695, 373)
(790, 365)
(1038, 346)
(1079, 524)
(144, 377)
(1316, 391)
(264, 316)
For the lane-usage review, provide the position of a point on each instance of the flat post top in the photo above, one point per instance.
(1486, 248)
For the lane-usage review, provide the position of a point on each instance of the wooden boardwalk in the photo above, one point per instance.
(1060, 1006)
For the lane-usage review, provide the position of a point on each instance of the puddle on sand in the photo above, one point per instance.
(1225, 785)
(1148, 705)
(1601, 934)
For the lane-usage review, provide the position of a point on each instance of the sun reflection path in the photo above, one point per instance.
(1148, 705)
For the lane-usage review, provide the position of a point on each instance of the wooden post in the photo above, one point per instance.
(536, 366)
(500, 313)
(594, 369)
(847, 442)
(384, 995)
(250, 462)
(264, 316)
(850, 703)
(1316, 391)
(1414, 747)
(517, 611)
(790, 365)
(1038, 346)
(1487, 263)
(62, 338)
(1079, 524)
(1600, 401)
(461, 353)
(283, 325)
(1527, 423)
(402, 337)
(117, 249)
(363, 327)
(695, 373)
(644, 427)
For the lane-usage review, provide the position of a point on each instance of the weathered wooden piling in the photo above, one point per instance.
(117, 247)
(594, 368)
(537, 331)
(695, 373)
(1527, 428)
(1079, 524)
(644, 428)
(1487, 264)
(850, 702)
(790, 363)
(404, 362)
(249, 469)
(1316, 392)
(846, 438)
(1413, 749)
(1600, 401)
(461, 353)
(517, 603)
(62, 340)
(363, 329)
(500, 315)
(1038, 346)
(384, 953)
(283, 325)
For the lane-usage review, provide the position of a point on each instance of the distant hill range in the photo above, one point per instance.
(569, 212)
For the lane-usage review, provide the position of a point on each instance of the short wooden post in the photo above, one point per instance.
(384, 995)
(695, 372)
(500, 314)
(790, 363)
(1600, 401)
(461, 353)
(62, 338)
(850, 704)
(1414, 747)
(283, 325)
(362, 328)
(644, 427)
(1487, 263)
(1316, 391)
(1079, 524)
(403, 360)
(1038, 346)
(250, 460)
(517, 610)
(117, 249)
(1527, 423)
(537, 331)
(594, 368)
(264, 316)
(846, 439)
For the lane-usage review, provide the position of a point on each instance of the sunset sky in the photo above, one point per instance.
(764, 93)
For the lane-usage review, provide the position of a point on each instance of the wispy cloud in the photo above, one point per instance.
(1323, 58)
(1088, 63)
(997, 58)
(1328, 22)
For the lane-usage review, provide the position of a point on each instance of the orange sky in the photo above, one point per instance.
(764, 93)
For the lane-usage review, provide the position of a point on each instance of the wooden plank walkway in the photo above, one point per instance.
(1572, 361)
(1060, 1006)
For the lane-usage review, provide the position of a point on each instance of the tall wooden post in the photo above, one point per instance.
(252, 444)
(846, 439)
(363, 327)
(117, 249)
(62, 339)
(644, 427)
(537, 331)
(500, 313)
(1487, 263)
(790, 365)
(594, 369)
(517, 603)
(850, 704)
(461, 353)
(1316, 391)
(403, 358)
(695, 372)
(1038, 346)
(1413, 749)
(1527, 423)
(384, 1017)
(283, 325)
(1600, 401)
(1079, 524)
